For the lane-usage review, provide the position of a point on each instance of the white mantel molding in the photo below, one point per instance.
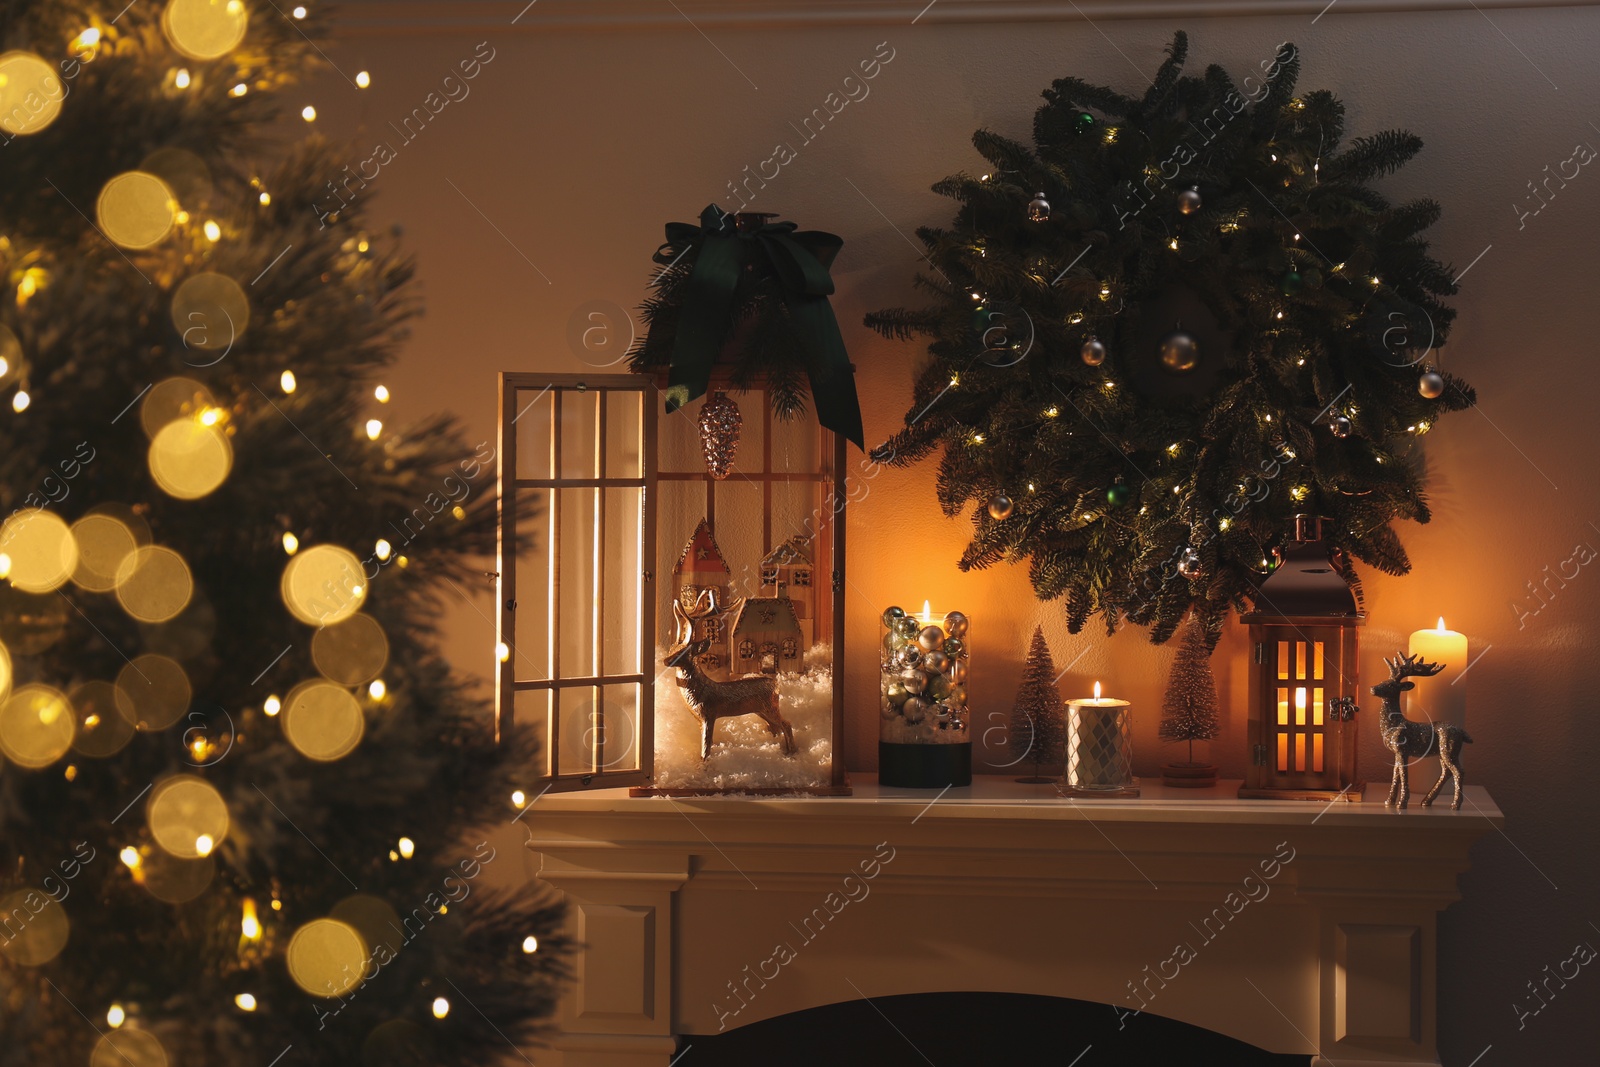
(369, 17)
(1006, 888)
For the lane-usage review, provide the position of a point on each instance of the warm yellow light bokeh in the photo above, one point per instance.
(184, 809)
(323, 585)
(210, 311)
(31, 93)
(36, 726)
(205, 29)
(153, 692)
(351, 652)
(326, 957)
(172, 399)
(37, 927)
(189, 459)
(154, 584)
(104, 541)
(127, 1047)
(322, 721)
(42, 550)
(176, 881)
(136, 209)
(5, 673)
(103, 729)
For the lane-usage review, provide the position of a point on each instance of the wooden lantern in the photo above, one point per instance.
(1303, 682)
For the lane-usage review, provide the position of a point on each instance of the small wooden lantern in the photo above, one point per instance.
(1303, 684)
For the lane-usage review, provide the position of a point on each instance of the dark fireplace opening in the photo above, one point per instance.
(973, 1030)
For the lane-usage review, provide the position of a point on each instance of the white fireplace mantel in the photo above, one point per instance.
(1295, 926)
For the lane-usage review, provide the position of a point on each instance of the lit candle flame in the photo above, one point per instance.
(1441, 624)
(1097, 690)
(927, 612)
(1300, 698)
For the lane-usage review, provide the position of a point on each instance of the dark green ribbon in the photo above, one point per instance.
(800, 259)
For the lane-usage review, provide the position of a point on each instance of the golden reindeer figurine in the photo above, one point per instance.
(711, 700)
(1413, 740)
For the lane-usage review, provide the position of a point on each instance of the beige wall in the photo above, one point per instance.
(576, 146)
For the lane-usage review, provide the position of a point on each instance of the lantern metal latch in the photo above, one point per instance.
(1259, 754)
(1343, 709)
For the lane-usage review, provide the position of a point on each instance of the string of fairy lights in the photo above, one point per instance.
(111, 550)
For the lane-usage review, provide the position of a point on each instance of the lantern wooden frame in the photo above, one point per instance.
(1304, 685)
(758, 464)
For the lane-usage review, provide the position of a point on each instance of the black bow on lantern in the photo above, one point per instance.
(725, 245)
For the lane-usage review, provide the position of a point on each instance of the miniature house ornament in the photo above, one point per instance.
(1303, 685)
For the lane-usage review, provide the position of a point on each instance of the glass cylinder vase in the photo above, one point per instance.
(925, 731)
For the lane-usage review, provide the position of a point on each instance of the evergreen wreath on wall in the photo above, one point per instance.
(1166, 328)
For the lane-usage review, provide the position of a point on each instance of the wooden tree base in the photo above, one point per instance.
(1189, 775)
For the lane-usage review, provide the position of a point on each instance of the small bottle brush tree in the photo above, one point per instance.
(1189, 712)
(1037, 731)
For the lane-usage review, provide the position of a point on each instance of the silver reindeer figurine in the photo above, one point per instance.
(711, 700)
(1414, 740)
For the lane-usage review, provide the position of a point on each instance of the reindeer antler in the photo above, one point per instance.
(1404, 666)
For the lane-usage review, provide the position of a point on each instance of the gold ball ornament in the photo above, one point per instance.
(1180, 352)
(1093, 352)
(1000, 507)
(1431, 384)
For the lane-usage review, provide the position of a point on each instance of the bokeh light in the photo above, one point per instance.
(5, 672)
(351, 652)
(37, 927)
(154, 584)
(205, 29)
(323, 585)
(183, 810)
(36, 726)
(176, 881)
(189, 459)
(127, 1047)
(31, 622)
(210, 312)
(326, 957)
(136, 209)
(373, 918)
(10, 354)
(103, 541)
(153, 692)
(185, 173)
(172, 399)
(31, 93)
(42, 550)
(322, 721)
(103, 729)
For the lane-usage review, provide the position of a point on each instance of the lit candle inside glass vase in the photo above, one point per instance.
(925, 736)
(1099, 747)
(1443, 697)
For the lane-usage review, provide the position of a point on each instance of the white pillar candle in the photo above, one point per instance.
(1443, 697)
(1099, 749)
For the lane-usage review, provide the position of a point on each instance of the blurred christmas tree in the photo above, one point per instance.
(238, 779)
(1038, 733)
(1189, 711)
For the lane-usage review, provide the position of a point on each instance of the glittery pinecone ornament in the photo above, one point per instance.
(719, 433)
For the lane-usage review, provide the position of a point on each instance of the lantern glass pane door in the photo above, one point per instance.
(746, 564)
(1298, 745)
(575, 602)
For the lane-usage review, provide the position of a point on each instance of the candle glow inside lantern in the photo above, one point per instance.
(925, 734)
(1099, 748)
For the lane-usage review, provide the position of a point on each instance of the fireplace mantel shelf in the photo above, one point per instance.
(706, 913)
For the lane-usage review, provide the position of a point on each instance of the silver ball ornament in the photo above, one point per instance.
(1038, 208)
(906, 626)
(892, 644)
(955, 624)
(936, 662)
(939, 687)
(955, 648)
(896, 693)
(957, 695)
(1189, 201)
(914, 681)
(1093, 352)
(1431, 384)
(1189, 564)
(1180, 352)
(909, 656)
(891, 614)
(1000, 507)
(915, 709)
(1340, 426)
(958, 671)
(930, 638)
